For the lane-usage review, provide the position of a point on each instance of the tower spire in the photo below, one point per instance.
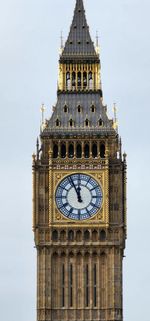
(79, 43)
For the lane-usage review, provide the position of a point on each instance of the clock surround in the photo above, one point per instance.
(79, 196)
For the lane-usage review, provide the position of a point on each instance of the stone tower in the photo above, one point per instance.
(79, 193)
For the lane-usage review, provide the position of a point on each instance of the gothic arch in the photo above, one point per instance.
(63, 150)
(79, 151)
(55, 151)
(71, 150)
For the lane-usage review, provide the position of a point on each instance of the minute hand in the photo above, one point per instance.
(72, 182)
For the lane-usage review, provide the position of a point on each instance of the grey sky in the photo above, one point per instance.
(29, 47)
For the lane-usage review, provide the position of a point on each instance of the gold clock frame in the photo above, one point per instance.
(57, 219)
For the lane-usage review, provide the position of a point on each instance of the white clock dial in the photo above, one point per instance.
(79, 196)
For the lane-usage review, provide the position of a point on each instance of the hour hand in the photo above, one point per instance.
(79, 194)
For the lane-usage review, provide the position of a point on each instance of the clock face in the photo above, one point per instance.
(79, 197)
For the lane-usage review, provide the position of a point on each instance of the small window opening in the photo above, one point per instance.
(63, 151)
(71, 236)
(84, 80)
(65, 109)
(86, 151)
(73, 80)
(100, 122)
(55, 151)
(102, 151)
(79, 151)
(86, 122)
(92, 108)
(79, 109)
(90, 81)
(68, 81)
(102, 235)
(79, 79)
(71, 122)
(94, 150)
(55, 236)
(71, 151)
(86, 235)
(57, 123)
(94, 236)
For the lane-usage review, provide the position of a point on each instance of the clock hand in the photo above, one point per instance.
(78, 189)
(72, 183)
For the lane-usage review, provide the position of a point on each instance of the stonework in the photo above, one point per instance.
(79, 261)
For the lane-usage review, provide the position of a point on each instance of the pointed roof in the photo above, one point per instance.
(79, 43)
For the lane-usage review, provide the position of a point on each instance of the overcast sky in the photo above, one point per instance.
(29, 52)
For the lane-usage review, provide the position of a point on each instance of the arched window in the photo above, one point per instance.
(92, 108)
(86, 122)
(86, 151)
(79, 151)
(71, 122)
(79, 109)
(55, 235)
(100, 122)
(71, 151)
(79, 80)
(90, 81)
(63, 151)
(71, 235)
(84, 80)
(55, 151)
(102, 151)
(68, 81)
(94, 150)
(57, 122)
(79, 236)
(94, 236)
(87, 235)
(73, 80)
(102, 235)
(63, 236)
(65, 109)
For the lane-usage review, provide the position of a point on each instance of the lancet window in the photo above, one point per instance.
(63, 150)
(79, 151)
(55, 151)
(102, 151)
(70, 285)
(63, 285)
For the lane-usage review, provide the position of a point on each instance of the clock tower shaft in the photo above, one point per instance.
(79, 193)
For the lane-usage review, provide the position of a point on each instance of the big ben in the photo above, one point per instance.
(79, 193)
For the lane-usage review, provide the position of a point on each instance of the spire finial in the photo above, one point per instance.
(115, 117)
(61, 40)
(42, 109)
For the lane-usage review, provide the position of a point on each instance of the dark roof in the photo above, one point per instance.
(72, 102)
(79, 43)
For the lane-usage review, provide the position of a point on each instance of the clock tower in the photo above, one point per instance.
(79, 193)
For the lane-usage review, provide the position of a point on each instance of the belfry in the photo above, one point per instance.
(79, 193)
